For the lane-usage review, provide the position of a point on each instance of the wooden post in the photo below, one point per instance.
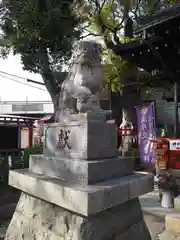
(176, 115)
(110, 99)
(30, 134)
(19, 135)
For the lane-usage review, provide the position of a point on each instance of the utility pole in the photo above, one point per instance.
(176, 112)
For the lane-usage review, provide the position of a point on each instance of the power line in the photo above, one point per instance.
(36, 82)
(16, 76)
(26, 84)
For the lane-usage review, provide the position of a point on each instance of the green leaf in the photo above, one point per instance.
(40, 31)
(106, 15)
(127, 4)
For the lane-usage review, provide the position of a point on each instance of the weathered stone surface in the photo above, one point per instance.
(79, 91)
(81, 171)
(88, 116)
(81, 139)
(37, 219)
(85, 200)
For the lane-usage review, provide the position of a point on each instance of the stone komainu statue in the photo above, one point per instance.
(85, 80)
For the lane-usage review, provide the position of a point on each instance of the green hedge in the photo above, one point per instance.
(31, 151)
(19, 160)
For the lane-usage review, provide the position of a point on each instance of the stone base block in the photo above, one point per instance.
(81, 171)
(175, 173)
(84, 200)
(81, 139)
(173, 222)
(37, 219)
(177, 202)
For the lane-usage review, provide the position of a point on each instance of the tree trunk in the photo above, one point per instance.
(54, 95)
(130, 96)
(49, 79)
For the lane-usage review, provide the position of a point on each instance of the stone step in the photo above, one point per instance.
(177, 202)
(81, 171)
(84, 200)
(172, 222)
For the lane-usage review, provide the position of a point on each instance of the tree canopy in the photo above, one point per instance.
(42, 32)
(113, 21)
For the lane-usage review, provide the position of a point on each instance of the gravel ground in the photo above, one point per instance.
(154, 224)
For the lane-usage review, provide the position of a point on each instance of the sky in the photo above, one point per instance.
(15, 91)
(10, 90)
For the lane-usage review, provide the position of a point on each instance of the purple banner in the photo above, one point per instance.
(146, 130)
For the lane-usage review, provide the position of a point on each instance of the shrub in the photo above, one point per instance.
(31, 151)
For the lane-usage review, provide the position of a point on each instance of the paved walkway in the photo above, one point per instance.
(154, 216)
(150, 204)
(155, 224)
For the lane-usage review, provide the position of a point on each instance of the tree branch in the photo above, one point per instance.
(116, 39)
(103, 26)
(137, 8)
(91, 34)
(87, 26)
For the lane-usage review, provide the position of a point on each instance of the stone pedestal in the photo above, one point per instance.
(36, 219)
(81, 171)
(83, 137)
(79, 189)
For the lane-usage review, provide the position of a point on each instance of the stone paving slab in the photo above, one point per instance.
(155, 225)
(85, 200)
(169, 235)
(173, 222)
(150, 204)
